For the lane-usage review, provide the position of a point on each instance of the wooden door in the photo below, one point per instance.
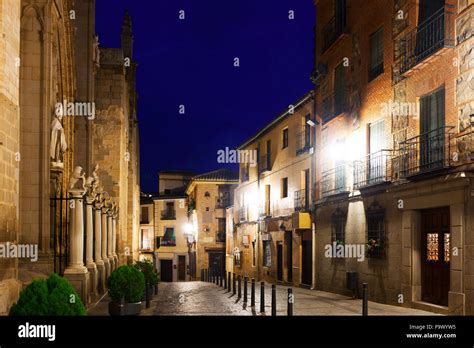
(166, 269)
(436, 254)
(280, 261)
(306, 261)
(181, 268)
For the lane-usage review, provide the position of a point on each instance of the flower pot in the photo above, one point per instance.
(128, 309)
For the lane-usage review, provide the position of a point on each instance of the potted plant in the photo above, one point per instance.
(54, 296)
(151, 278)
(126, 286)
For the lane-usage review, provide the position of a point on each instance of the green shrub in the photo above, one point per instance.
(51, 297)
(148, 270)
(128, 283)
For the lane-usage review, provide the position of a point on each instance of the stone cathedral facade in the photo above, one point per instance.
(69, 152)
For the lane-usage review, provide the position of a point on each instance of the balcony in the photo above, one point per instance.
(243, 214)
(335, 181)
(426, 153)
(265, 163)
(168, 214)
(303, 142)
(335, 104)
(426, 41)
(264, 210)
(223, 202)
(373, 169)
(301, 198)
(335, 27)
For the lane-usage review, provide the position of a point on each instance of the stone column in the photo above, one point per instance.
(76, 272)
(105, 258)
(114, 236)
(110, 238)
(90, 264)
(98, 245)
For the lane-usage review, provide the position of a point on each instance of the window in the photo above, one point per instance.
(376, 54)
(375, 231)
(284, 140)
(339, 226)
(254, 254)
(244, 172)
(147, 239)
(284, 187)
(221, 223)
(340, 90)
(267, 254)
(144, 218)
(169, 239)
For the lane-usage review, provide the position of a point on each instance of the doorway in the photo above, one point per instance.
(289, 255)
(181, 268)
(217, 263)
(436, 255)
(280, 261)
(306, 258)
(166, 269)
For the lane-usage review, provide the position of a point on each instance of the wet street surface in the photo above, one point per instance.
(201, 298)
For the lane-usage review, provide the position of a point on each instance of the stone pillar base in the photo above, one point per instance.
(101, 278)
(107, 271)
(116, 261)
(93, 280)
(112, 264)
(79, 278)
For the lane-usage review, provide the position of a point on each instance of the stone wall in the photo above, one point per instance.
(9, 145)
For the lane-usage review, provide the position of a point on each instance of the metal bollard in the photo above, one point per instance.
(274, 300)
(262, 297)
(252, 294)
(246, 279)
(225, 280)
(290, 302)
(228, 282)
(220, 280)
(365, 299)
(233, 283)
(239, 294)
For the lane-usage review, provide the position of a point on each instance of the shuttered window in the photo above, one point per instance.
(376, 54)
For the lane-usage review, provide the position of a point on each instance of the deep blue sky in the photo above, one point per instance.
(190, 62)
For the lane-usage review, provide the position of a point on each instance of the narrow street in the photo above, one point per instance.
(200, 298)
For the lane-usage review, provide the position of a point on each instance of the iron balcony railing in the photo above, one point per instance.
(264, 210)
(335, 181)
(303, 141)
(426, 152)
(168, 214)
(373, 169)
(434, 34)
(265, 164)
(335, 27)
(223, 202)
(301, 198)
(243, 215)
(335, 104)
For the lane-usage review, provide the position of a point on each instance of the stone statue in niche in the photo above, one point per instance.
(77, 175)
(58, 142)
(96, 51)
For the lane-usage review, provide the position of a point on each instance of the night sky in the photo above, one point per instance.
(191, 62)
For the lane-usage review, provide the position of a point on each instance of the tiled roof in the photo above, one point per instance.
(218, 175)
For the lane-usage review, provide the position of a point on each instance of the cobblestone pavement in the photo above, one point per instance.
(200, 298)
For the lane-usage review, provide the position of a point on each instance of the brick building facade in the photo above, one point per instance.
(394, 150)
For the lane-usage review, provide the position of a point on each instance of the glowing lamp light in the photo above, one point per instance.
(188, 229)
